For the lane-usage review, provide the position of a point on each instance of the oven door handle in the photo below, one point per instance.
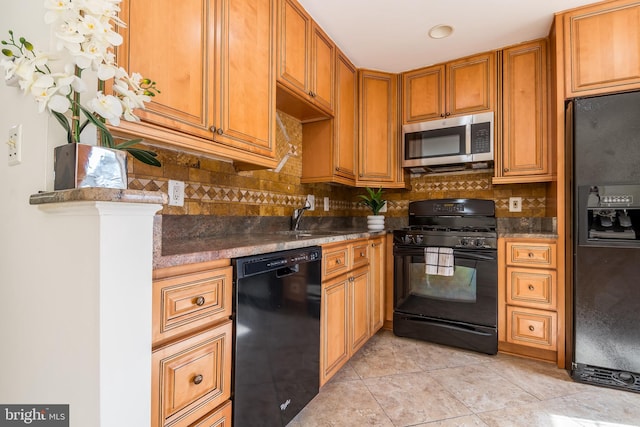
(473, 256)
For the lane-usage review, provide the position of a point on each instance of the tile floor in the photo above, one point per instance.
(397, 382)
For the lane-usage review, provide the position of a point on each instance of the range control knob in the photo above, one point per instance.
(479, 243)
(465, 241)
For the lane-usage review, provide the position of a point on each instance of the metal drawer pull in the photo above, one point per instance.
(531, 287)
(531, 255)
(531, 328)
(197, 379)
(362, 254)
(338, 261)
(200, 301)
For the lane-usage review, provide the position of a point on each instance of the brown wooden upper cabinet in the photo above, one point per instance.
(459, 87)
(218, 90)
(329, 146)
(523, 152)
(378, 147)
(306, 57)
(602, 48)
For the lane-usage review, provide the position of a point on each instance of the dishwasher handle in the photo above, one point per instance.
(287, 271)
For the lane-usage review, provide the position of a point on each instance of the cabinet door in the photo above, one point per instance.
(377, 271)
(346, 117)
(183, 70)
(359, 308)
(323, 60)
(334, 330)
(191, 377)
(525, 140)
(602, 45)
(423, 94)
(294, 45)
(471, 85)
(245, 88)
(378, 151)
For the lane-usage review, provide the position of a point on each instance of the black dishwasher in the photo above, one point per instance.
(277, 335)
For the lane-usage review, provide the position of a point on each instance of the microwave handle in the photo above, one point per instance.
(467, 139)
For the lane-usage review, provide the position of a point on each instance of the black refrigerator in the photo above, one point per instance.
(606, 240)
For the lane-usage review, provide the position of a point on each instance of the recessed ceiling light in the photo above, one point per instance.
(440, 31)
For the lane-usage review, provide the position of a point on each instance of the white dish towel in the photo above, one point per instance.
(438, 261)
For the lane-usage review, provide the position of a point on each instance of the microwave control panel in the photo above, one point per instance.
(481, 138)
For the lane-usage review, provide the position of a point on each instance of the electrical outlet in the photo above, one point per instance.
(14, 144)
(515, 204)
(312, 201)
(176, 193)
(383, 209)
(326, 204)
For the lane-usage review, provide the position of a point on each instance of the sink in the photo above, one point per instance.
(307, 233)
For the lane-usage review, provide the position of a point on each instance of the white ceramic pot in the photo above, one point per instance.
(375, 222)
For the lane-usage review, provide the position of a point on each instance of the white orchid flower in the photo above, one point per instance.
(59, 103)
(57, 10)
(107, 106)
(106, 72)
(128, 110)
(85, 31)
(42, 89)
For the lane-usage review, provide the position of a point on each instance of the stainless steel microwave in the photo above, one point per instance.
(462, 139)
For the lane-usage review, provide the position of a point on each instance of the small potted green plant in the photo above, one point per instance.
(374, 201)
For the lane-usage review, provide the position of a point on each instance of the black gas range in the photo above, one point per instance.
(455, 223)
(458, 308)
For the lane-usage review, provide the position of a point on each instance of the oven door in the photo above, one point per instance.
(469, 296)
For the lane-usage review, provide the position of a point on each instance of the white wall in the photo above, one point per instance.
(53, 302)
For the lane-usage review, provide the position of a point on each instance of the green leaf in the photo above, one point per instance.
(127, 144)
(107, 137)
(145, 156)
(62, 119)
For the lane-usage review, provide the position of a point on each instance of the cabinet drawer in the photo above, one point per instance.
(221, 417)
(531, 254)
(182, 303)
(360, 254)
(335, 261)
(191, 377)
(530, 327)
(531, 287)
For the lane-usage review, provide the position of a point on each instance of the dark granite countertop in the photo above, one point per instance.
(189, 251)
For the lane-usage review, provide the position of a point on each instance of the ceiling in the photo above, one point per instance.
(392, 35)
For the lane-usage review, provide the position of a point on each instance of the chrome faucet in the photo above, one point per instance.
(297, 215)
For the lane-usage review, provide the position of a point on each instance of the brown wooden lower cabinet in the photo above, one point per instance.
(528, 292)
(352, 300)
(192, 342)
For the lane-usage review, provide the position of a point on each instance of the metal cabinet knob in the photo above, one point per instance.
(220, 131)
(531, 255)
(212, 129)
(200, 301)
(506, 169)
(447, 114)
(531, 328)
(362, 255)
(531, 287)
(197, 379)
(338, 261)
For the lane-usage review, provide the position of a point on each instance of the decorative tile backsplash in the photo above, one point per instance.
(214, 187)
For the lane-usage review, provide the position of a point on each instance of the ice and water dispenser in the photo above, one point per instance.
(613, 213)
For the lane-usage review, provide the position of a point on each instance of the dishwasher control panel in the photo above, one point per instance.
(276, 260)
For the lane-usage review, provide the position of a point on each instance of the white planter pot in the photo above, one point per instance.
(375, 222)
